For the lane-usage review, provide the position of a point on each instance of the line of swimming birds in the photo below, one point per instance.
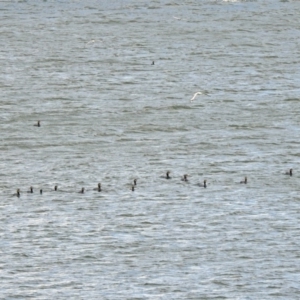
(167, 176)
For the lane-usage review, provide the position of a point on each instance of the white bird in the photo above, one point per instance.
(195, 95)
(179, 18)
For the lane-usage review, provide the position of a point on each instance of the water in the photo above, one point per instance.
(108, 115)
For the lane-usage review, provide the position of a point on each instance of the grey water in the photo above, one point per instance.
(84, 69)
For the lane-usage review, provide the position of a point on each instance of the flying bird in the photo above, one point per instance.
(195, 95)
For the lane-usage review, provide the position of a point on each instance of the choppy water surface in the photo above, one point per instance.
(84, 69)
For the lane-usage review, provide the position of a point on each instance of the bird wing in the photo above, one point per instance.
(195, 95)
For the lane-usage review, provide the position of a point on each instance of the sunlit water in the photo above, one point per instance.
(84, 69)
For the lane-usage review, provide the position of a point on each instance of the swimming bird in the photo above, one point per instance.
(55, 188)
(184, 178)
(152, 63)
(132, 187)
(41, 191)
(98, 188)
(195, 95)
(17, 193)
(38, 124)
(30, 190)
(82, 191)
(244, 181)
(168, 175)
(134, 181)
(204, 184)
(290, 172)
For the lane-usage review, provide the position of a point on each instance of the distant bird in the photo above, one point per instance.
(177, 18)
(41, 191)
(244, 181)
(30, 190)
(81, 191)
(204, 184)
(38, 124)
(290, 172)
(98, 188)
(132, 187)
(167, 175)
(134, 181)
(184, 178)
(55, 188)
(195, 95)
(17, 193)
(92, 41)
(152, 63)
